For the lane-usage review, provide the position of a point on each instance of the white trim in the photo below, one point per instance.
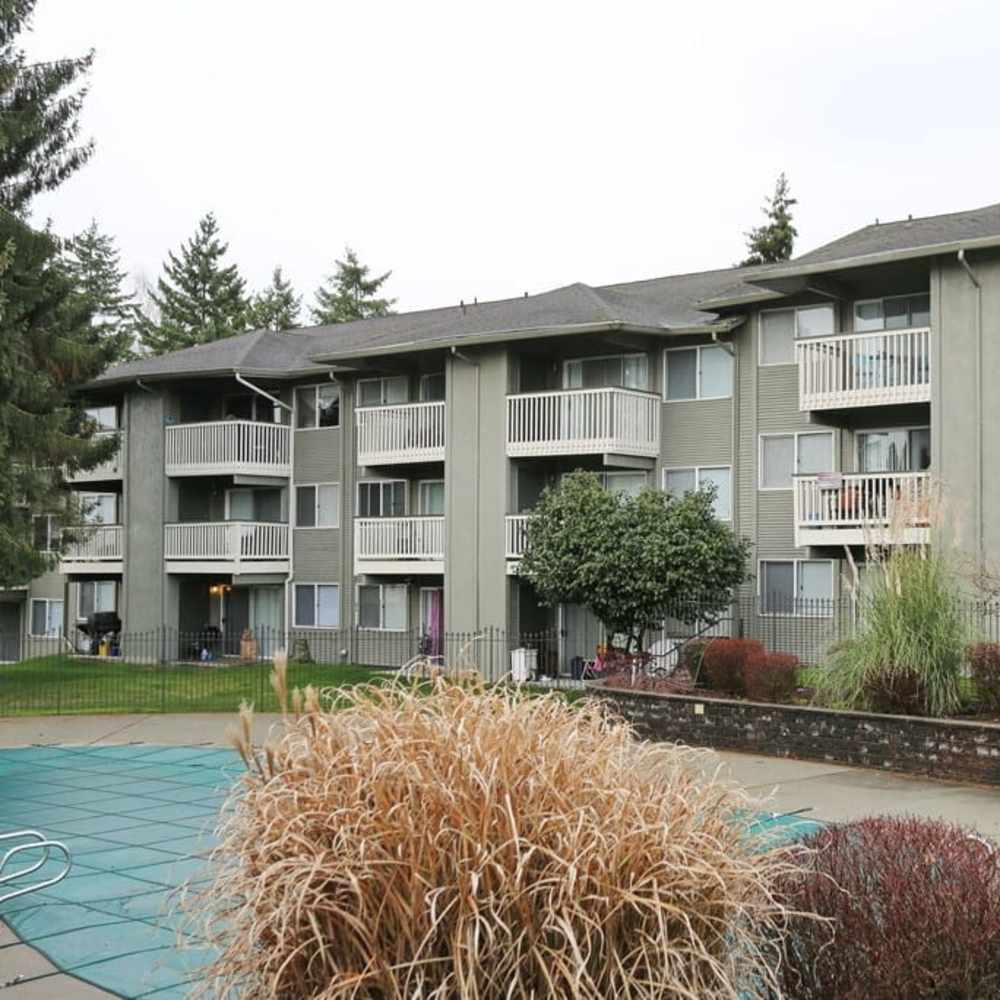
(698, 398)
(357, 496)
(697, 470)
(795, 457)
(314, 584)
(381, 600)
(795, 583)
(795, 333)
(315, 487)
(607, 357)
(316, 386)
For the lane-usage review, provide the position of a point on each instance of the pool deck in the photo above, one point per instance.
(829, 792)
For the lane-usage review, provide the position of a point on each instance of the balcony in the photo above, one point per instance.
(228, 547)
(516, 534)
(864, 369)
(398, 435)
(584, 422)
(95, 548)
(866, 508)
(398, 545)
(228, 447)
(112, 469)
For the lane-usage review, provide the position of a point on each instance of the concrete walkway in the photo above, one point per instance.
(829, 792)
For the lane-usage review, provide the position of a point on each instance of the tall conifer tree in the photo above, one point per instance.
(275, 307)
(349, 293)
(775, 240)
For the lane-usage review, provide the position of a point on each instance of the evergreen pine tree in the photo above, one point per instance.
(198, 298)
(773, 241)
(349, 293)
(94, 264)
(49, 350)
(40, 106)
(276, 307)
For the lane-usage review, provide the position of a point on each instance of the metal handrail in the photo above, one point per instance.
(38, 842)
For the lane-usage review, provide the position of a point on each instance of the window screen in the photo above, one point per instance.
(682, 374)
(777, 590)
(777, 461)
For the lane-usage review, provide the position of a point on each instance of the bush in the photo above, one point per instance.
(724, 662)
(914, 906)
(771, 677)
(471, 843)
(908, 653)
(690, 658)
(984, 659)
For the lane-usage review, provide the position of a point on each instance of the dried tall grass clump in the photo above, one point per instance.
(476, 844)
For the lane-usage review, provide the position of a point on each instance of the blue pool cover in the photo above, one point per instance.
(138, 820)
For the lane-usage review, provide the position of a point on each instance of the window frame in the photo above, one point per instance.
(858, 432)
(382, 380)
(796, 562)
(424, 380)
(315, 584)
(101, 429)
(80, 616)
(420, 497)
(368, 482)
(316, 386)
(795, 333)
(697, 470)
(382, 587)
(97, 493)
(315, 487)
(698, 397)
(50, 532)
(48, 602)
(795, 457)
(883, 299)
(604, 357)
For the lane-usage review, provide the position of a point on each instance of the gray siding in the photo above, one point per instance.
(318, 454)
(317, 556)
(699, 432)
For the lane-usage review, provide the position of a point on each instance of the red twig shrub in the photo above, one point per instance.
(724, 661)
(915, 911)
(984, 659)
(771, 676)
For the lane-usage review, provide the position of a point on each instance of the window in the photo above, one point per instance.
(383, 391)
(46, 617)
(250, 406)
(432, 387)
(382, 606)
(317, 406)
(681, 481)
(779, 329)
(627, 371)
(698, 373)
(382, 498)
(783, 456)
(98, 508)
(430, 493)
(629, 483)
(317, 605)
(898, 312)
(106, 417)
(796, 587)
(903, 450)
(317, 506)
(96, 595)
(45, 531)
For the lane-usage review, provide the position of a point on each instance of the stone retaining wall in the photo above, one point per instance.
(939, 748)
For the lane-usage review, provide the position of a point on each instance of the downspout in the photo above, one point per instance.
(980, 519)
(730, 349)
(456, 353)
(260, 392)
(142, 385)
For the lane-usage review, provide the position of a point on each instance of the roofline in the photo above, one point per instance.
(792, 270)
(516, 334)
(272, 373)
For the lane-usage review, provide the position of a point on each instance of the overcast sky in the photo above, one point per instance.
(487, 150)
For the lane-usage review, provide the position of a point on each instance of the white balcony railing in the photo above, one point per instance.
(583, 422)
(111, 469)
(854, 509)
(517, 535)
(864, 369)
(399, 538)
(225, 447)
(94, 543)
(409, 432)
(227, 541)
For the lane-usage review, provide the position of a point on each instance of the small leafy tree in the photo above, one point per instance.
(632, 560)
(773, 241)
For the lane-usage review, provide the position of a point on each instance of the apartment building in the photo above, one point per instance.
(375, 476)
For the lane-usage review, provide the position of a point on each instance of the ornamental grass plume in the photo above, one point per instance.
(463, 842)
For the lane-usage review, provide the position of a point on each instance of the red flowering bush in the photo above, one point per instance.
(723, 664)
(912, 908)
(984, 659)
(771, 676)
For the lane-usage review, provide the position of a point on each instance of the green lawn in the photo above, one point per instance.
(61, 685)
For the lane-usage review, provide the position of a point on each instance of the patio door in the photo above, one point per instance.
(432, 618)
(10, 632)
(266, 618)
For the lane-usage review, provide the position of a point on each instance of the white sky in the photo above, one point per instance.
(487, 150)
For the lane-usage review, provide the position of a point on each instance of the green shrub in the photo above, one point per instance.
(771, 677)
(690, 658)
(724, 661)
(984, 659)
(908, 653)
